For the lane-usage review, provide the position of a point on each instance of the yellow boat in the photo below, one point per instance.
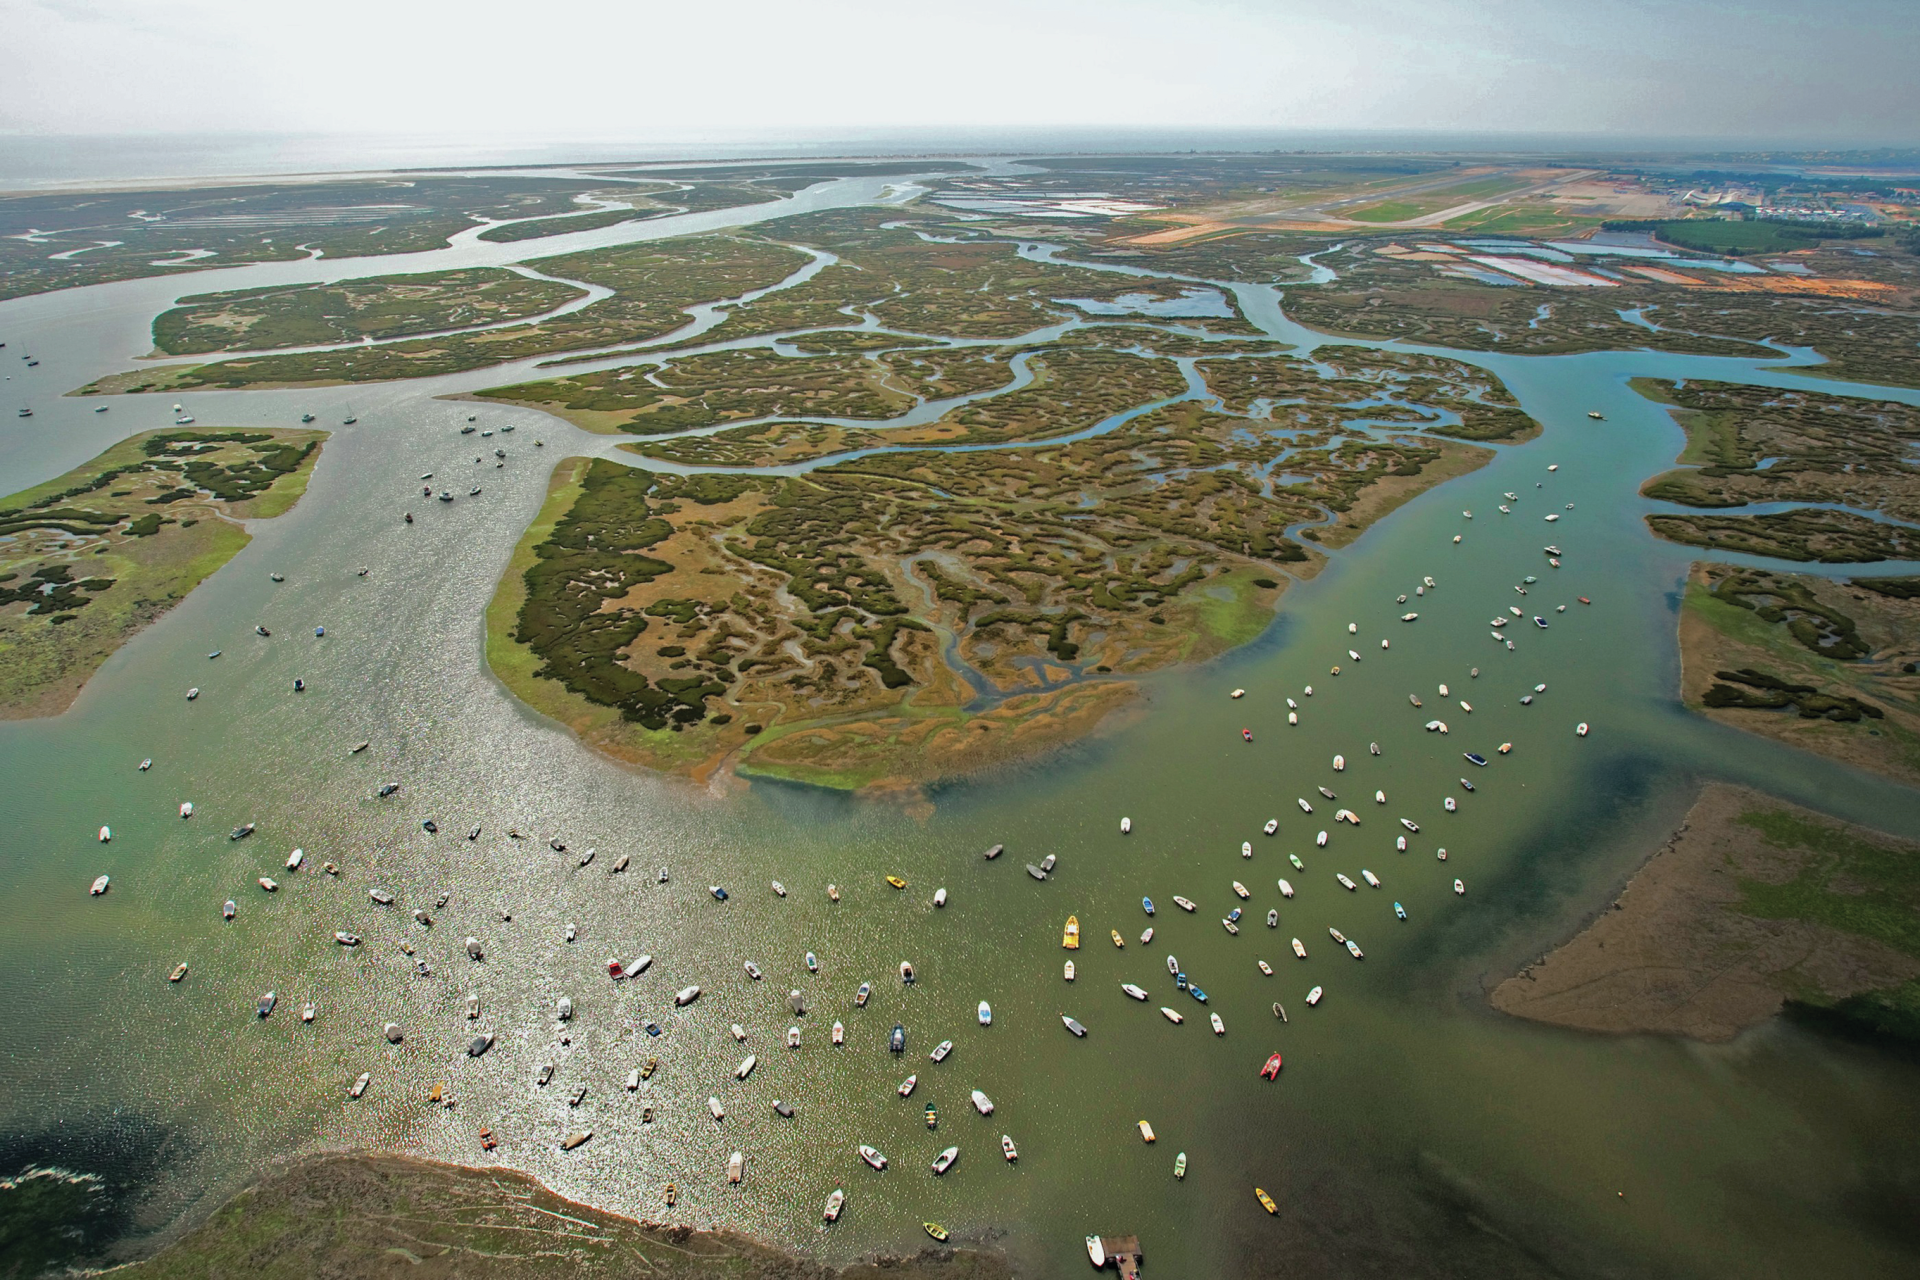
(935, 1230)
(1146, 1131)
(1118, 941)
(1266, 1201)
(896, 882)
(1070, 937)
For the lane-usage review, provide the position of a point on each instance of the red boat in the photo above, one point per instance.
(1584, 600)
(615, 969)
(1247, 734)
(1272, 1070)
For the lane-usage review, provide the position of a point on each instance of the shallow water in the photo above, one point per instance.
(1410, 1123)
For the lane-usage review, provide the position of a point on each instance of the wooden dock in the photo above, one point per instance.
(1123, 1252)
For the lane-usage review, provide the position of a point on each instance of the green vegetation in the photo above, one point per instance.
(1815, 448)
(1866, 887)
(382, 1215)
(378, 308)
(540, 228)
(102, 236)
(653, 284)
(1830, 537)
(1841, 657)
(1725, 236)
(92, 557)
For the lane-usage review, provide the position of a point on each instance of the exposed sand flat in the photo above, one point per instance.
(1675, 955)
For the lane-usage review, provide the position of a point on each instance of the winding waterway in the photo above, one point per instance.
(1411, 1128)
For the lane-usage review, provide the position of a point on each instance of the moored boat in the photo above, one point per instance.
(1313, 997)
(179, 972)
(1219, 1027)
(1185, 904)
(1070, 936)
(1073, 1026)
(1007, 1148)
(941, 1050)
(1286, 889)
(839, 1034)
(1173, 1015)
(982, 1103)
(1300, 948)
(360, 1086)
(1136, 992)
(1146, 1131)
(834, 1203)
(860, 996)
(985, 1014)
(1272, 1070)
(942, 1163)
(264, 1005)
(1147, 905)
(897, 1039)
(1068, 971)
(872, 1157)
(1266, 1201)
(907, 1086)
(736, 1167)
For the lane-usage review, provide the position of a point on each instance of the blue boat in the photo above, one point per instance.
(1234, 915)
(897, 1042)
(1197, 994)
(1148, 904)
(653, 1028)
(718, 893)
(1400, 911)
(1180, 981)
(1475, 758)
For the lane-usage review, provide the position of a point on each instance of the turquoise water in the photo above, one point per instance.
(1410, 1128)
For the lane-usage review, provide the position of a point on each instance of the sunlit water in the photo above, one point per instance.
(1408, 1119)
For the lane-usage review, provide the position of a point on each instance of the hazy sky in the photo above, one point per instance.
(1839, 71)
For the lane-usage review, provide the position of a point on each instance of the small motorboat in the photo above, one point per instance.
(1197, 993)
(1345, 883)
(1036, 872)
(1273, 918)
(839, 1035)
(1265, 968)
(985, 1014)
(1146, 1132)
(1172, 1015)
(833, 890)
(1073, 1026)
(1371, 879)
(473, 1005)
(1266, 1201)
(241, 832)
(813, 963)
(714, 1109)
(941, 1050)
(739, 1032)
(1246, 848)
(1300, 948)
(1146, 935)
(1240, 890)
(264, 1005)
(1126, 825)
(99, 886)
(872, 1157)
(1304, 806)
(783, 1109)
(1219, 1027)
(1070, 935)
(295, 858)
(1047, 863)
(269, 884)
(1246, 735)
(1118, 941)
(1580, 730)
(719, 894)
(779, 889)
(1069, 971)
(1273, 825)
(1238, 693)
(1399, 911)
(1506, 748)
(179, 972)
(346, 939)
(1272, 1070)
(1410, 825)
(1459, 888)
(686, 996)
(942, 1163)
(1133, 991)
(982, 1103)
(227, 909)
(907, 1086)
(1230, 926)
(1353, 949)
(1313, 996)
(1007, 1149)
(146, 764)
(934, 1229)
(860, 996)
(896, 882)
(1450, 805)
(939, 897)
(745, 1068)
(834, 1203)
(388, 789)
(1147, 905)
(359, 1086)
(1583, 600)
(897, 1041)
(1184, 904)
(906, 972)
(1173, 965)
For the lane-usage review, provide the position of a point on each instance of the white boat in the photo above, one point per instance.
(1265, 968)
(1354, 949)
(473, 1005)
(1379, 797)
(941, 1050)
(779, 888)
(1339, 764)
(360, 1086)
(193, 693)
(1173, 965)
(1133, 991)
(813, 963)
(1345, 883)
(1273, 919)
(99, 886)
(736, 1164)
(1286, 889)
(1347, 816)
(1450, 805)
(1007, 1148)
(346, 939)
(939, 897)
(1183, 903)
(1320, 839)
(1146, 935)
(106, 835)
(839, 1034)
(686, 995)
(1126, 825)
(982, 1103)
(294, 859)
(906, 1090)
(1172, 1015)
(1313, 997)
(834, 1202)
(752, 970)
(307, 1011)
(1293, 717)
(872, 1157)
(1273, 825)
(1069, 971)
(1369, 877)
(1219, 1027)
(713, 1105)
(1073, 1026)
(1300, 948)
(739, 1032)
(1304, 806)
(269, 884)
(1238, 693)
(1240, 890)
(793, 1037)
(1459, 888)
(745, 1068)
(1410, 825)
(1246, 848)
(1336, 935)
(1581, 729)
(186, 808)
(1229, 926)
(944, 1161)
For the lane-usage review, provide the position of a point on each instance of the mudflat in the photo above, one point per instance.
(1753, 902)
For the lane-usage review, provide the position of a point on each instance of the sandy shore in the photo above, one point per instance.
(1676, 954)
